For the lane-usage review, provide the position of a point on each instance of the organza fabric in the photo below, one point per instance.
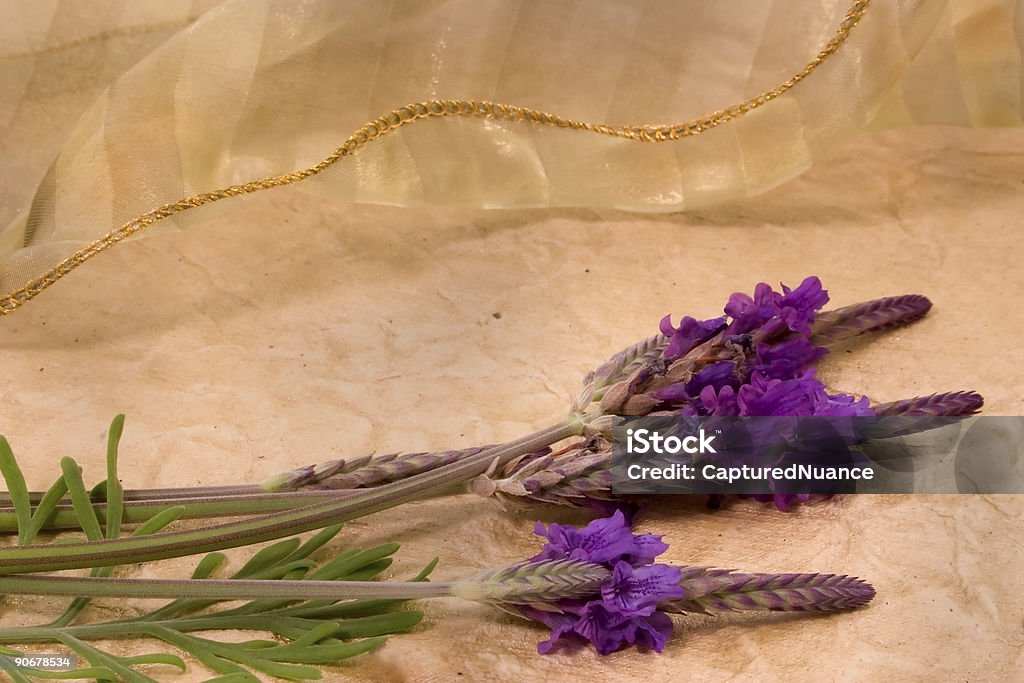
(115, 109)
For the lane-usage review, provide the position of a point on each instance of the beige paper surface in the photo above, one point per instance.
(237, 354)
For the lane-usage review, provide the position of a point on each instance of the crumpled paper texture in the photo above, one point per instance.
(237, 354)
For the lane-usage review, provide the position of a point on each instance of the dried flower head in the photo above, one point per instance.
(635, 596)
(625, 610)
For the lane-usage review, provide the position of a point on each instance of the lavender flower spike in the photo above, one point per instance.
(950, 404)
(756, 360)
(534, 582)
(632, 602)
(715, 591)
(365, 471)
(869, 316)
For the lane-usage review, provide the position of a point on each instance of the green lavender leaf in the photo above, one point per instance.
(316, 632)
(45, 508)
(115, 494)
(17, 490)
(83, 505)
(80, 499)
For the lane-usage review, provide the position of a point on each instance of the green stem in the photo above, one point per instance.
(223, 589)
(195, 505)
(55, 557)
(160, 493)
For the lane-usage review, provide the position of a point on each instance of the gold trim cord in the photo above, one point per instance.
(420, 111)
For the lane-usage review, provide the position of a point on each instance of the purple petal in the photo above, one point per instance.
(652, 631)
(798, 306)
(749, 313)
(842, 405)
(690, 333)
(674, 393)
(787, 359)
(605, 630)
(716, 375)
(646, 547)
(561, 624)
(764, 397)
(604, 540)
(635, 592)
(722, 403)
(559, 627)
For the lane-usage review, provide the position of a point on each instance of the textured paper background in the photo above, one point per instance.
(236, 354)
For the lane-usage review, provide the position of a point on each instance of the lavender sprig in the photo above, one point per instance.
(534, 582)
(365, 471)
(624, 363)
(576, 475)
(761, 347)
(632, 605)
(753, 361)
(949, 404)
(869, 316)
(599, 582)
(716, 591)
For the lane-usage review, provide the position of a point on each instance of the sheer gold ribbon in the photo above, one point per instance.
(254, 87)
(422, 111)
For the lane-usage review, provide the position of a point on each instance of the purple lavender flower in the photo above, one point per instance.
(605, 629)
(609, 632)
(646, 547)
(787, 359)
(717, 375)
(625, 611)
(690, 333)
(793, 309)
(801, 397)
(630, 606)
(636, 591)
(764, 396)
(757, 361)
(797, 307)
(603, 541)
(757, 365)
(723, 403)
(750, 312)
(562, 622)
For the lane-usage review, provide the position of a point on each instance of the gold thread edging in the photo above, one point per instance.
(124, 32)
(433, 109)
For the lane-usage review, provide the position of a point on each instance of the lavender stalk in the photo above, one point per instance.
(716, 591)
(950, 404)
(632, 605)
(870, 316)
(705, 590)
(47, 557)
(600, 583)
(572, 478)
(366, 471)
(753, 361)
